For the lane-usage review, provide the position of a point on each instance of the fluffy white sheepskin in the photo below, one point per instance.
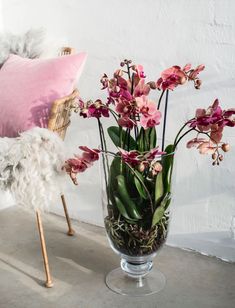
(30, 166)
(27, 45)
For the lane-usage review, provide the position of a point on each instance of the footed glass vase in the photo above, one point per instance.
(136, 217)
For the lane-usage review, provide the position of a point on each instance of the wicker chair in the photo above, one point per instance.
(58, 122)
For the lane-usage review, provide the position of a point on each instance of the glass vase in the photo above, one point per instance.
(136, 227)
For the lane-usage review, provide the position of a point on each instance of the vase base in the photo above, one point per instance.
(118, 281)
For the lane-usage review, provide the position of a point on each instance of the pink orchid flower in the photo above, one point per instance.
(174, 76)
(83, 107)
(97, 109)
(73, 166)
(140, 71)
(130, 157)
(153, 153)
(125, 121)
(118, 87)
(150, 114)
(194, 72)
(141, 89)
(204, 146)
(187, 67)
(145, 105)
(79, 164)
(216, 133)
(89, 155)
(204, 119)
(93, 109)
(195, 142)
(125, 108)
(104, 81)
(171, 78)
(207, 147)
(150, 120)
(135, 158)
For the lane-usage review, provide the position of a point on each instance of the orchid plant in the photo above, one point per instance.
(138, 181)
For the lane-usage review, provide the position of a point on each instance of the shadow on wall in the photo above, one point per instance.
(219, 244)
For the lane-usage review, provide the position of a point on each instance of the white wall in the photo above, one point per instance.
(158, 34)
(1, 19)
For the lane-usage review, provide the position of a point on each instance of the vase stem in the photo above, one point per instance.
(136, 269)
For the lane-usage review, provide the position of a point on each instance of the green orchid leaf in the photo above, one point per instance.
(146, 139)
(126, 199)
(115, 170)
(138, 180)
(159, 212)
(122, 209)
(167, 165)
(152, 138)
(141, 140)
(168, 203)
(159, 188)
(117, 135)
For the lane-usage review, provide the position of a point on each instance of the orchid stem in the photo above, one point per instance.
(204, 133)
(164, 123)
(176, 142)
(125, 137)
(105, 145)
(128, 70)
(132, 83)
(103, 158)
(114, 114)
(182, 128)
(159, 102)
(128, 140)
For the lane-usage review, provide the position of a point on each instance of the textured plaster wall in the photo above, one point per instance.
(158, 34)
(1, 19)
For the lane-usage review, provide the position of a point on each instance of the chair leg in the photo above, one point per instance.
(48, 283)
(70, 229)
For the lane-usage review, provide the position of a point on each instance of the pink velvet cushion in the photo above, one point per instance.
(29, 87)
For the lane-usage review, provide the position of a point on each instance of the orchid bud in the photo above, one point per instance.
(225, 147)
(197, 83)
(221, 157)
(141, 167)
(98, 103)
(122, 64)
(213, 156)
(183, 79)
(157, 167)
(152, 85)
(118, 73)
(134, 67)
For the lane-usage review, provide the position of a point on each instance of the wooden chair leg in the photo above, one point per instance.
(70, 229)
(48, 283)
